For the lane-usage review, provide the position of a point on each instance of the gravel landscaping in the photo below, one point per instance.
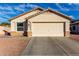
(75, 36)
(12, 46)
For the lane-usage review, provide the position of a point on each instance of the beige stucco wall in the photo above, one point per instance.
(50, 17)
(21, 19)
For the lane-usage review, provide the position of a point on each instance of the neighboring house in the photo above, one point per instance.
(75, 27)
(39, 22)
(6, 28)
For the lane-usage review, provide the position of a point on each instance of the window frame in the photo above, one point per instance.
(74, 27)
(20, 26)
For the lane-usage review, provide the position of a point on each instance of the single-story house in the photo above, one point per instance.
(75, 27)
(40, 22)
(18, 23)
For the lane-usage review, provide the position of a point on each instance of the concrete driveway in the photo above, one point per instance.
(51, 46)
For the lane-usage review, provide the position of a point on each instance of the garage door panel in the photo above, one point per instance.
(47, 29)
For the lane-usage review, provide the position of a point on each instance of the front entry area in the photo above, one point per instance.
(48, 29)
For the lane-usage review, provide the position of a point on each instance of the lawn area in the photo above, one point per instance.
(12, 46)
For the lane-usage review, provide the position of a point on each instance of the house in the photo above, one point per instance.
(75, 27)
(39, 22)
(18, 23)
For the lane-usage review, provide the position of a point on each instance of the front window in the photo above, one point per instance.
(20, 26)
(74, 27)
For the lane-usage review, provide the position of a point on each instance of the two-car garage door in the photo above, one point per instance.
(47, 29)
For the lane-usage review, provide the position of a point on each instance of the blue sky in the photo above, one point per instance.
(9, 10)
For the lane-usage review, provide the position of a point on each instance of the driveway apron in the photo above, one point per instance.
(43, 46)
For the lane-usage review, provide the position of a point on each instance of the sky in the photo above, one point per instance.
(10, 10)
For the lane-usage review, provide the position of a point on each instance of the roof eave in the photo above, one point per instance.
(56, 12)
(39, 8)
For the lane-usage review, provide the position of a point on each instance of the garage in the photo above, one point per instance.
(47, 29)
(48, 23)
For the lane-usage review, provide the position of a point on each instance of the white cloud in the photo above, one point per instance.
(2, 19)
(71, 16)
(6, 16)
(70, 3)
(62, 8)
(32, 5)
(24, 6)
(59, 6)
(75, 6)
(66, 9)
(6, 8)
(7, 12)
(19, 9)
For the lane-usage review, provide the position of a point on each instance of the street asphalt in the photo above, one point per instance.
(51, 46)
